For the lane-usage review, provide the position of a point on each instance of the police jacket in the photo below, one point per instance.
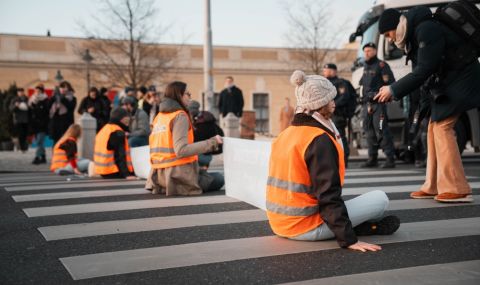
(345, 99)
(432, 46)
(376, 73)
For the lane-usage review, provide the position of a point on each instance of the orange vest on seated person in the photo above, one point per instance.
(291, 209)
(59, 156)
(162, 154)
(103, 157)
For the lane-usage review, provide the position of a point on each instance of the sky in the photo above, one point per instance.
(259, 23)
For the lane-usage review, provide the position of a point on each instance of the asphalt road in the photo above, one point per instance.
(88, 235)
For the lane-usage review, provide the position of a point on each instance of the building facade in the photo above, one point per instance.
(262, 73)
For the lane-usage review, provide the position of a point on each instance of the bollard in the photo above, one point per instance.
(87, 140)
(232, 126)
(247, 125)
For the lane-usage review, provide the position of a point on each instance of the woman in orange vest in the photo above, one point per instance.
(306, 176)
(112, 153)
(173, 153)
(64, 158)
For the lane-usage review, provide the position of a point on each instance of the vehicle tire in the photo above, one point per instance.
(461, 132)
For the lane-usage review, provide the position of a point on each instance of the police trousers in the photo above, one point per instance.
(371, 126)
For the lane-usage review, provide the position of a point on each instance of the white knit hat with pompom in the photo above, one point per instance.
(312, 91)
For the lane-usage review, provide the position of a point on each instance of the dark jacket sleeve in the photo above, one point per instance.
(83, 106)
(116, 142)
(342, 100)
(431, 46)
(321, 158)
(240, 103)
(387, 74)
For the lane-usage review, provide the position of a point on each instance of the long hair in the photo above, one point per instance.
(74, 131)
(175, 91)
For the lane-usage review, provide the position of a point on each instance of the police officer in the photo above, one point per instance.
(345, 102)
(376, 73)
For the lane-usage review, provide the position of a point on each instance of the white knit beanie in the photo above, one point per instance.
(312, 91)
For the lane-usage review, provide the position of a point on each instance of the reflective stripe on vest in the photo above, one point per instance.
(162, 153)
(59, 156)
(103, 157)
(292, 208)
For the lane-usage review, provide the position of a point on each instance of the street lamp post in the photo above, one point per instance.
(88, 59)
(207, 59)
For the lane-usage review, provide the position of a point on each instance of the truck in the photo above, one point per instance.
(468, 126)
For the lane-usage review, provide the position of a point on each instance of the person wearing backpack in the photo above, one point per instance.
(447, 65)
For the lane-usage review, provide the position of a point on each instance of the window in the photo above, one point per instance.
(260, 105)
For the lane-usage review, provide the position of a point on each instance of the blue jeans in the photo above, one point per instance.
(82, 165)
(367, 207)
(40, 140)
(137, 141)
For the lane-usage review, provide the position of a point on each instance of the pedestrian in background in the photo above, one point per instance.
(231, 100)
(345, 103)
(19, 108)
(141, 93)
(447, 65)
(286, 114)
(38, 104)
(151, 103)
(112, 153)
(95, 106)
(103, 95)
(173, 152)
(376, 73)
(61, 110)
(139, 123)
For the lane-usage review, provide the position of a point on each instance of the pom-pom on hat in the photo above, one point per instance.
(312, 91)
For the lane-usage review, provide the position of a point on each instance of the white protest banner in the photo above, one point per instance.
(141, 161)
(246, 170)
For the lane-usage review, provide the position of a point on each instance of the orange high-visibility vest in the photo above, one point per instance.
(162, 154)
(292, 209)
(59, 156)
(103, 157)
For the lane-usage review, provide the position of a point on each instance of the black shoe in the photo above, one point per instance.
(389, 163)
(36, 160)
(42, 159)
(371, 162)
(386, 226)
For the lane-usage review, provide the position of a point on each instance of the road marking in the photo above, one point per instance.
(173, 222)
(458, 273)
(78, 194)
(125, 205)
(382, 173)
(389, 189)
(150, 224)
(58, 181)
(157, 258)
(74, 184)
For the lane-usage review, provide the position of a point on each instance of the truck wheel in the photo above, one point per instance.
(461, 131)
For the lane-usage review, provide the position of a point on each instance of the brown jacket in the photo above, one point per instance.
(183, 179)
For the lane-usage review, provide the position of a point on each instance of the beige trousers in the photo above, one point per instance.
(445, 172)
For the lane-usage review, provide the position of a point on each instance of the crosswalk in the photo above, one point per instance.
(115, 232)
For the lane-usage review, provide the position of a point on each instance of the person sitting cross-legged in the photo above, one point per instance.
(306, 175)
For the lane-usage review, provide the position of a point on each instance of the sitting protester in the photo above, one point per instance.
(306, 176)
(139, 123)
(112, 153)
(173, 153)
(204, 127)
(64, 158)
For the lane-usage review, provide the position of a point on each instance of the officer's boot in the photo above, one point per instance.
(371, 162)
(389, 163)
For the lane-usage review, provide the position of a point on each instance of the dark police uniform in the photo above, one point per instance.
(376, 73)
(344, 109)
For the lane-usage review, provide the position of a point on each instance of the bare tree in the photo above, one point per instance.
(123, 41)
(313, 32)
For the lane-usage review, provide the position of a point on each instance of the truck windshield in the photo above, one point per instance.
(370, 35)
